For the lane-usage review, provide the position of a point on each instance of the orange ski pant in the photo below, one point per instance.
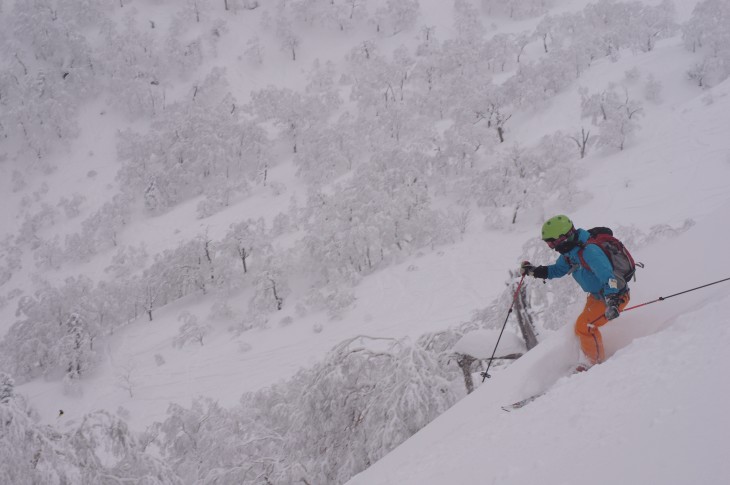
(587, 327)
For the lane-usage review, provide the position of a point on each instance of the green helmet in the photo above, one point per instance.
(556, 226)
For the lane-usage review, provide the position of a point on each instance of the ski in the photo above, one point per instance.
(522, 403)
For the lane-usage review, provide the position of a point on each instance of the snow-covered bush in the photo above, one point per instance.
(364, 399)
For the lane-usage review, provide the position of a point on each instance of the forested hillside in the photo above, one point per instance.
(241, 237)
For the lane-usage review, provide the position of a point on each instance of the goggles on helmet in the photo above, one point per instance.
(555, 242)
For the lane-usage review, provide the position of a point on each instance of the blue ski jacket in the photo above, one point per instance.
(599, 281)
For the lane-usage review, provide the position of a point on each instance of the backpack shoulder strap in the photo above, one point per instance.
(596, 236)
(600, 235)
(582, 259)
(598, 240)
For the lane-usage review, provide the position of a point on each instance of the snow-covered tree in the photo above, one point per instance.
(33, 223)
(396, 16)
(55, 332)
(537, 81)
(196, 147)
(461, 147)
(270, 284)
(194, 440)
(151, 290)
(127, 260)
(31, 452)
(366, 397)
(104, 450)
(705, 33)
(7, 388)
(39, 108)
(517, 9)
(126, 378)
(132, 62)
(292, 111)
(289, 41)
(521, 178)
(549, 32)
(615, 115)
(12, 255)
(369, 384)
(582, 140)
(49, 254)
(77, 345)
(245, 239)
(71, 206)
(330, 14)
(188, 268)
(652, 23)
(190, 331)
(319, 158)
(101, 229)
(105, 305)
(384, 211)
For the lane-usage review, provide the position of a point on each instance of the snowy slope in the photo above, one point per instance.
(649, 184)
(653, 412)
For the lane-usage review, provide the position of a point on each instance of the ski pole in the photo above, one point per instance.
(662, 298)
(485, 374)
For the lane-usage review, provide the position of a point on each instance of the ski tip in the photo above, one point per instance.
(522, 403)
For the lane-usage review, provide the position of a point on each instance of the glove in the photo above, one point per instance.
(527, 269)
(612, 303)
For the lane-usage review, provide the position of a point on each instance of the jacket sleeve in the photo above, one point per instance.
(560, 268)
(601, 267)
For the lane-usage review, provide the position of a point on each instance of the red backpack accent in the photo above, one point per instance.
(623, 263)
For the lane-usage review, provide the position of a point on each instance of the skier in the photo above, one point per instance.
(591, 268)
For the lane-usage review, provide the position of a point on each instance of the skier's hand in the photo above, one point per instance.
(540, 272)
(527, 269)
(611, 312)
(612, 303)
